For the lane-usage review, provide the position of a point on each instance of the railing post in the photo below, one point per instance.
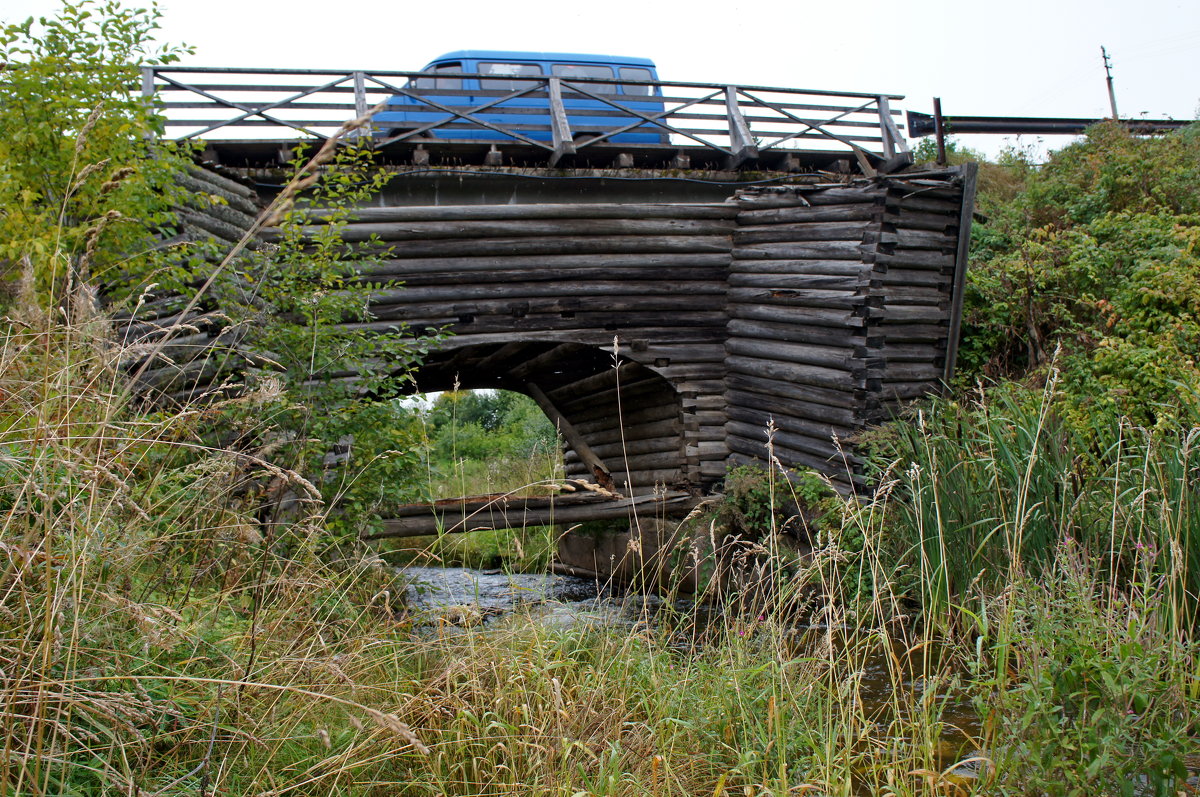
(895, 150)
(560, 128)
(885, 129)
(148, 96)
(741, 142)
(360, 102)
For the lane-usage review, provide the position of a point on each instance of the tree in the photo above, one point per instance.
(83, 184)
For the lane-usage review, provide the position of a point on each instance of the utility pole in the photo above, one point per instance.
(1112, 96)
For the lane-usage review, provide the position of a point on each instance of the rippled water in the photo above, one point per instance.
(463, 596)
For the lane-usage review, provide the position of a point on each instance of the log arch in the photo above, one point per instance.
(621, 421)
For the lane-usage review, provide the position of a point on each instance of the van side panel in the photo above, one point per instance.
(528, 114)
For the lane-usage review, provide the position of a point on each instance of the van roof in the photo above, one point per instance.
(513, 55)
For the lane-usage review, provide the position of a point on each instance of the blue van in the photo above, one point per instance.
(470, 79)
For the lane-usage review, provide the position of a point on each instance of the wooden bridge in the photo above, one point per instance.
(666, 339)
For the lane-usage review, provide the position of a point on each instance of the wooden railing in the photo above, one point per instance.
(739, 122)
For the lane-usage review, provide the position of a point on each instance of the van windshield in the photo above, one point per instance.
(590, 71)
(509, 71)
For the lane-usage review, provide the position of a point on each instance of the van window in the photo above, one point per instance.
(452, 83)
(509, 71)
(635, 73)
(581, 70)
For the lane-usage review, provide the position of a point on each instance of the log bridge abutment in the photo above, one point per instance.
(669, 340)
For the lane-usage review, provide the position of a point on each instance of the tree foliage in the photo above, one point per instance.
(83, 186)
(1096, 257)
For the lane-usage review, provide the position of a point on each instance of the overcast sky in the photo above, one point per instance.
(982, 58)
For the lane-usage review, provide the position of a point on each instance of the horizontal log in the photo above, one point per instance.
(836, 467)
(518, 307)
(466, 292)
(837, 358)
(808, 195)
(846, 320)
(938, 189)
(889, 275)
(630, 417)
(815, 376)
(668, 428)
(805, 213)
(815, 282)
(914, 352)
(915, 258)
(223, 182)
(554, 245)
(814, 430)
(618, 450)
(919, 239)
(823, 231)
(831, 268)
(904, 218)
(828, 250)
(848, 418)
(560, 275)
(921, 203)
(911, 372)
(849, 400)
(517, 228)
(403, 267)
(538, 211)
(451, 518)
(915, 294)
(588, 386)
(212, 226)
(634, 463)
(911, 314)
(204, 194)
(912, 333)
(833, 300)
(907, 391)
(797, 333)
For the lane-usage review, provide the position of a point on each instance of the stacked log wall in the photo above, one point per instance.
(815, 309)
(649, 278)
(178, 348)
(843, 304)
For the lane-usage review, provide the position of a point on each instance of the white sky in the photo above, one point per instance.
(982, 58)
